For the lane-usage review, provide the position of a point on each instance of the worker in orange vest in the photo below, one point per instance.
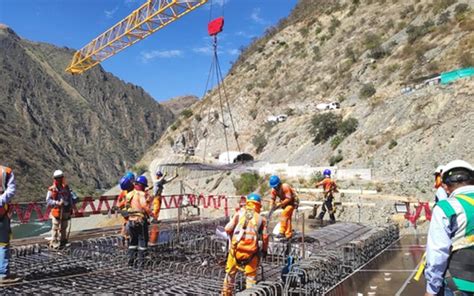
(126, 186)
(288, 202)
(249, 243)
(61, 199)
(158, 187)
(7, 191)
(329, 187)
(138, 214)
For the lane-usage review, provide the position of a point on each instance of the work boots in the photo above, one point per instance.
(9, 279)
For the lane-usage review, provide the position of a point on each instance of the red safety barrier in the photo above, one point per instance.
(414, 216)
(23, 211)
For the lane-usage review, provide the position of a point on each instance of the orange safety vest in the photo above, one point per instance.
(246, 235)
(285, 192)
(4, 176)
(56, 193)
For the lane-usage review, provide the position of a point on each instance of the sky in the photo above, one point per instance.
(173, 61)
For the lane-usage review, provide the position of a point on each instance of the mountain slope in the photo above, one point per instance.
(178, 104)
(360, 53)
(92, 126)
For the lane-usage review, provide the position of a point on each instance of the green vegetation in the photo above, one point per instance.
(416, 32)
(335, 141)
(316, 177)
(259, 141)
(250, 182)
(392, 144)
(348, 126)
(187, 113)
(367, 90)
(336, 158)
(176, 125)
(198, 117)
(326, 125)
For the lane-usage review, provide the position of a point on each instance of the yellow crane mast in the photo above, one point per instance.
(144, 21)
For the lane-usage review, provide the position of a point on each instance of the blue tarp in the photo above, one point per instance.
(447, 77)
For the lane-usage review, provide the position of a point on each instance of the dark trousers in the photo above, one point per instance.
(138, 241)
(327, 206)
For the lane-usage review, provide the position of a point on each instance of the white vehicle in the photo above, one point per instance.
(277, 118)
(328, 106)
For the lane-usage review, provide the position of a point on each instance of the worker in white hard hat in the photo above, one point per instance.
(61, 199)
(440, 192)
(450, 242)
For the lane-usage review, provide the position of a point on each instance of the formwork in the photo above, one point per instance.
(191, 261)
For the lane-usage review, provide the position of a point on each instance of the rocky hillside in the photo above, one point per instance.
(93, 126)
(360, 54)
(179, 104)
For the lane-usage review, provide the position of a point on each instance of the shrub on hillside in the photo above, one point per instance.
(415, 32)
(246, 183)
(466, 59)
(392, 144)
(372, 40)
(259, 142)
(348, 126)
(187, 113)
(324, 126)
(335, 159)
(367, 90)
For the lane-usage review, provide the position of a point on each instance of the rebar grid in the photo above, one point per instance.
(193, 263)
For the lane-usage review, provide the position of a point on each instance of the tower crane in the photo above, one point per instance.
(141, 23)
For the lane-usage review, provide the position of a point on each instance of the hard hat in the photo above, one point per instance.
(58, 174)
(327, 172)
(127, 181)
(274, 181)
(159, 173)
(254, 197)
(439, 170)
(457, 171)
(142, 180)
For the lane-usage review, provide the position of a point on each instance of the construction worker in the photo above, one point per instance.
(158, 187)
(7, 191)
(440, 192)
(287, 202)
(138, 213)
(329, 187)
(126, 186)
(450, 242)
(249, 243)
(61, 199)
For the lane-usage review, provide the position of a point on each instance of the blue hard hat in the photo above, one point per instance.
(254, 197)
(127, 181)
(159, 173)
(327, 172)
(142, 180)
(274, 181)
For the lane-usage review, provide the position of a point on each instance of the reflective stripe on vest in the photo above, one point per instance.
(462, 208)
(245, 237)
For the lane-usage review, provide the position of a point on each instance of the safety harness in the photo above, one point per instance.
(241, 228)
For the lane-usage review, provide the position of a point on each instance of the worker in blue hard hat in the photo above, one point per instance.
(450, 243)
(138, 213)
(329, 187)
(158, 187)
(288, 201)
(249, 242)
(126, 186)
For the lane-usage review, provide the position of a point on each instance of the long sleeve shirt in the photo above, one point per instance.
(438, 246)
(440, 194)
(65, 194)
(10, 190)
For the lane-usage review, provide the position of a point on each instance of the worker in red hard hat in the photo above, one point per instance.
(329, 187)
(158, 188)
(249, 243)
(61, 199)
(138, 213)
(7, 191)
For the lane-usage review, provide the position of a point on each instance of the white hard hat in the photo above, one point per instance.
(460, 164)
(58, 174)
(439, 169)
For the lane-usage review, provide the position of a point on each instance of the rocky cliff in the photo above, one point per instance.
(179, 104)
(93, 126)
(362, 54)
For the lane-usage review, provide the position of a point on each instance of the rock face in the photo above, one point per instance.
(361, 54)
(178, 104)
(92, 126)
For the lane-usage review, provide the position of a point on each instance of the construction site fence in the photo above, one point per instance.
(26, 212)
